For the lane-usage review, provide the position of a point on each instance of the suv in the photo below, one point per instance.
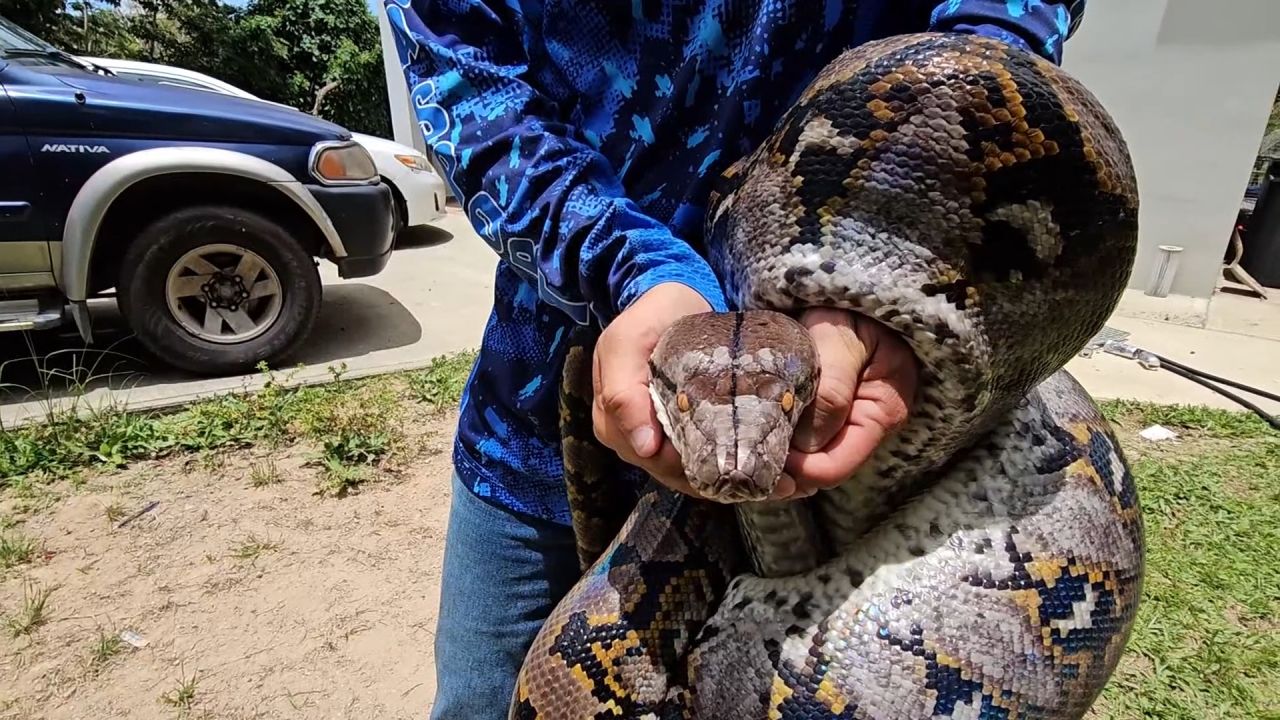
(205, 212)
(417, 188)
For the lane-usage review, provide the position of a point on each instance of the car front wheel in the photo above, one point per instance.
(216, 290)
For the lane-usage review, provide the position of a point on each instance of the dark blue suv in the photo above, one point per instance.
(205, 213)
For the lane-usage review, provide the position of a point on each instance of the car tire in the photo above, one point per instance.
(216, 290)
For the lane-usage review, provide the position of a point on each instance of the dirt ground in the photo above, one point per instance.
(254, 601)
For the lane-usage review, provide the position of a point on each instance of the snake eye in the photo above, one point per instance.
(788, 401)
(682, 402)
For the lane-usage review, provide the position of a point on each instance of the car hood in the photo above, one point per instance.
(373, 143)
(187, 114)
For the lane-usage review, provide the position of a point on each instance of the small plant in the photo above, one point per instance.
(104, 648)
(210, 460)
(183, 696)
(15, 549)
(337, 372)
(262, 474)
(355, 428)
(35, 601)
(253, 546)
(337, 479)
(440, 384)
(114, 511)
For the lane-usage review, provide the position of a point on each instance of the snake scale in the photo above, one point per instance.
(988, 560)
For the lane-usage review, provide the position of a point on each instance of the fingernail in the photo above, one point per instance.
(641, 439)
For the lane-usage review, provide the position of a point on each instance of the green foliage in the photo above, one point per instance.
(104, 648)
(440, 384)
(34, 610)
(357, 426)
(15, 549)
(327, 41)
(280, 50)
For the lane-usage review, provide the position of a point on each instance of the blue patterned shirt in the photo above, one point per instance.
(582, 137)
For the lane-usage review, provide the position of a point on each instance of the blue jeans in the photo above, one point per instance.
(504, 572)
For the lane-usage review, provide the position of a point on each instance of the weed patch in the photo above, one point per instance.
(355, 423)
(107, 646)
(440, 384)
(262, 474)
(15, 549)
(34, 610)
(253, 547)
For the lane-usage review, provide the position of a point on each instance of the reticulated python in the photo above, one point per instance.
(987, 562)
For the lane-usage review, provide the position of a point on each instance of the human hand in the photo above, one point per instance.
(622, 413)
(865, 392)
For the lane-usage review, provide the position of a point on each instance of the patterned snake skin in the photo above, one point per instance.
(987, 562)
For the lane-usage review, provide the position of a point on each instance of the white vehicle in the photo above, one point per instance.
(418, 190)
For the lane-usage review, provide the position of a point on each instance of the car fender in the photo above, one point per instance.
(102, 189)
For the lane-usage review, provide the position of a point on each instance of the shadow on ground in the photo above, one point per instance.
(355, 320)
(422, 236)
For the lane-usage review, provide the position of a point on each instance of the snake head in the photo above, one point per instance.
(728, 389)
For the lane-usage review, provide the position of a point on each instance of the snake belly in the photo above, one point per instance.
(987, 561)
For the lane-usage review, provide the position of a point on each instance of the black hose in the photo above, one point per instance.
(1194, 377)
(1231, 383)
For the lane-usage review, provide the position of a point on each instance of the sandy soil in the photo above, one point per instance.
(280, 604)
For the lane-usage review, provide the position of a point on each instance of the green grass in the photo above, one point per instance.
(262, 474)
(440, 383)
(15, 549)
(252, 547)
(107, 646)
(182, 698)
(355, 422)
(34, 610)
(1206, 644)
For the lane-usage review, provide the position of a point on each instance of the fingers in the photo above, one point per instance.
(841, 355)
(877, 405)
(849, 449)
(888, 389)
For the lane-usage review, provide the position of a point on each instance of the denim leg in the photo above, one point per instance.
(504, 572)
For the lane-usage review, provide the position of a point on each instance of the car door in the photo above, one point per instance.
(24, 241)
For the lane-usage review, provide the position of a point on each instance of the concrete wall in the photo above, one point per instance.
(1190, 82)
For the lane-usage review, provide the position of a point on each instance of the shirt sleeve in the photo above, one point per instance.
(1038, 26)
(545, 200)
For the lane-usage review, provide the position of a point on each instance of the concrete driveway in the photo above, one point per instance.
(432, 299)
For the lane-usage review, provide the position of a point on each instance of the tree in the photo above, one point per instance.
(45, 18)
(334, 59)
(320, 56)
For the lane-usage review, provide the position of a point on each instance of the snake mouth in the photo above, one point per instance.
(736, 486)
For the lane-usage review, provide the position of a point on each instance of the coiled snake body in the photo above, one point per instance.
(987, 561)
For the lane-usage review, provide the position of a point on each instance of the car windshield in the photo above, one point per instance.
(13, 37)
(21, 46)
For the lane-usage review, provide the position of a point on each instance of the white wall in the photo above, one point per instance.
(1190, 83)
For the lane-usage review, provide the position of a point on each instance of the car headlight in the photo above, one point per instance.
(417, 163)
(342, 164)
